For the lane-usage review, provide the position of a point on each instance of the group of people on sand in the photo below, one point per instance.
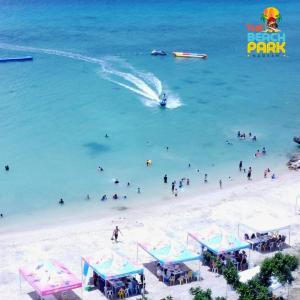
(244, 136)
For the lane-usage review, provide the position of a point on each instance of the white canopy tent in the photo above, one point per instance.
(264, 224)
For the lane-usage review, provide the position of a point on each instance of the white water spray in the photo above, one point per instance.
(146, 85)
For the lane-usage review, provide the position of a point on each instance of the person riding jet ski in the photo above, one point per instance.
(163, 100)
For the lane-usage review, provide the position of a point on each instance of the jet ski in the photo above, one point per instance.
(163, 100)
(158, 52)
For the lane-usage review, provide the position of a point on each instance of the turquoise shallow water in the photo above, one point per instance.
(56, 110)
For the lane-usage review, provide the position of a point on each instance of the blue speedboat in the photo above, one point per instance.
(158, 52)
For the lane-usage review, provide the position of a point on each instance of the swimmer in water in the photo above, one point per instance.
(264, 152)
(138, 190)
(115, 197)
(61, 201)
(87, 197)
(128, 183)
(187, 181)
(116, 181)
(176, 193)
(7, 168)
(100, 169)
(106, 135)
(1, 215)
(205, 178)
(104, 197)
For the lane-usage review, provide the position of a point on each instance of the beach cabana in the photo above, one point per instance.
(169, 255)
(264, 224)
(169, 252)
(49, 277)
(112, 267)
(218, 241)
(111, 270)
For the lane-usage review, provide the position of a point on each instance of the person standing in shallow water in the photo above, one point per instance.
(165, 178)
(240, 165)
(173, 187)
(220, 183)
(249, 174)
(205, 178)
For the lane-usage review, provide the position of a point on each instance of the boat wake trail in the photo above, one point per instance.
(146, 85)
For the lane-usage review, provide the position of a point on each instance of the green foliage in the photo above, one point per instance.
(253, 290)
(200, 294)
(280, 266)
(219, 266)
(207, 258)
(231, 274)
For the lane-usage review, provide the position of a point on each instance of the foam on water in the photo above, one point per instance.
(146, 85)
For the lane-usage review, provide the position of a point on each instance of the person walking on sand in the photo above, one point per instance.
(115, 234)
(220, 183)
(240, 165)
(173, 187)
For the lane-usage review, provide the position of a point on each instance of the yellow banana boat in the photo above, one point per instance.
(190, 55)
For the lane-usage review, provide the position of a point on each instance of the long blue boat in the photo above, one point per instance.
(21, 58)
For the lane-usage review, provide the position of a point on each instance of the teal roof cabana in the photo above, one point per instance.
(111, 267)
(219, 241)
(169, 252)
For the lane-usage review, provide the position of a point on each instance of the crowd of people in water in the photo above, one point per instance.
(178, 185)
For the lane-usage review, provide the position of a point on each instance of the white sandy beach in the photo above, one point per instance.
(172, 218)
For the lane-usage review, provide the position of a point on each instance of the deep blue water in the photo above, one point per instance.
(56, 110)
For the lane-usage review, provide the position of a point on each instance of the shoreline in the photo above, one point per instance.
(93, 209)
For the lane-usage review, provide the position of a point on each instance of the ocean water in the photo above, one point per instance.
(92, 74)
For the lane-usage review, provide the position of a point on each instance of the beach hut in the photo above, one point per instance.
(218, 241)
(172, 253)
(263, 225)
(111, 270)
(48, 278)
